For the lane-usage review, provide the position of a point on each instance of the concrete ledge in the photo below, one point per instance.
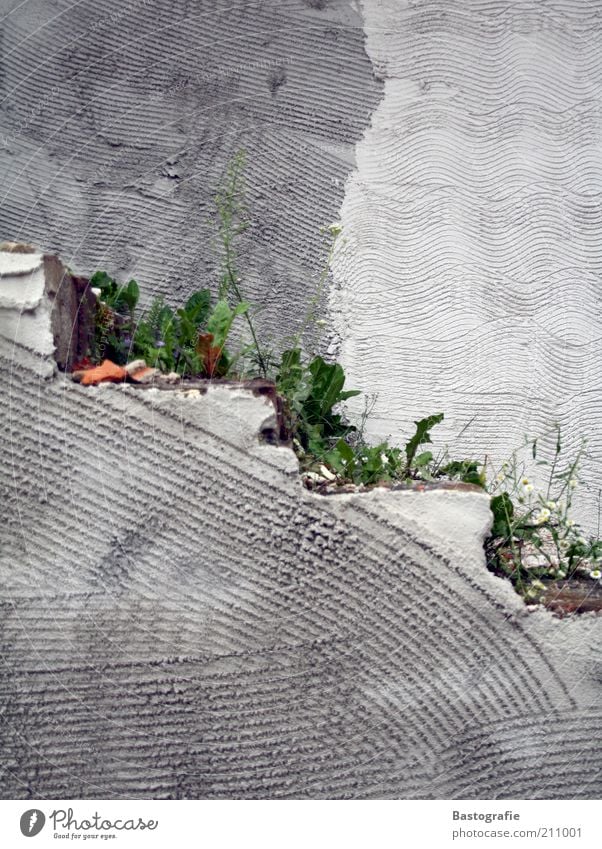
(45, 311)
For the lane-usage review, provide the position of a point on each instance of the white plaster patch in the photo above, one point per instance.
(21, 286)
(468, 280)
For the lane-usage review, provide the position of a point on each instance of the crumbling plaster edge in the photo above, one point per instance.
(408, 508)
(395, 506)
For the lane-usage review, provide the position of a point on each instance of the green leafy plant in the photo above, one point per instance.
(311, 392)
(366, 464)
(466, 471)
(534, 538)
(210, 347)
(190, 340)
(421, 436)
(167, 338)
(331, 448)
(114, 317)
(120, 297)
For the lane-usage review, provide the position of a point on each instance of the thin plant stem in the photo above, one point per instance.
(229, 205)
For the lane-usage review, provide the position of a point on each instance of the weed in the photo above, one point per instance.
(232, 221)
(534, 536)
(190, 340)
(311, 391)
(328, 446)
(114, 318)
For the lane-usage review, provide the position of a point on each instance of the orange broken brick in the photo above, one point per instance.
(107, 371)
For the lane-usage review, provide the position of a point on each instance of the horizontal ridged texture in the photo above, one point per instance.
(179, 618)
(117, 121)
(470, 281)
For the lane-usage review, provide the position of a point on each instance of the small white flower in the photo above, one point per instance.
(542, 516)
(335, 228)
(364, 459)
(551, 505)
(573, 483)
(581, 540)
(524, 481)
(499, 477)
(529, 487)
(570, 523)
(596, 574)
(384, 459)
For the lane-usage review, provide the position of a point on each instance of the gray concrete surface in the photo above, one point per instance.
(180, 618)
(471, 278)
(118, 119)
(469, 281)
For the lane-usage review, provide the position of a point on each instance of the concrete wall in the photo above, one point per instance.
(117, 121)
(180, 618)
(471, 278)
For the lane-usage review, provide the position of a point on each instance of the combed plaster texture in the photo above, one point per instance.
(118, 120)
(180, 618)
(459, 141)
(470, 279)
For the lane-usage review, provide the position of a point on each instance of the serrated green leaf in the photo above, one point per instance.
(220, 322)
(421, 436)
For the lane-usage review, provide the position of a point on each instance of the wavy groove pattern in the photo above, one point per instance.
(471, 279)
(117, 122)
(181, 619)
